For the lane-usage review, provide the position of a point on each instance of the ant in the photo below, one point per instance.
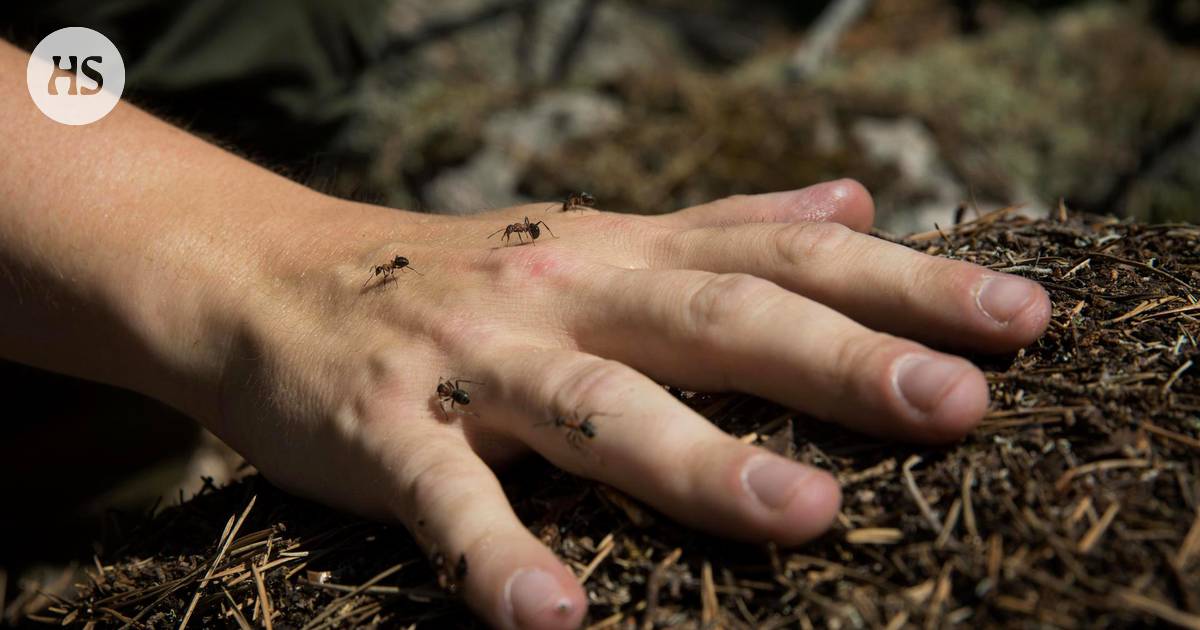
(577, 429)
(532, 229)
(452, 392)
(449, 580)
(389, 269)
(578, 200)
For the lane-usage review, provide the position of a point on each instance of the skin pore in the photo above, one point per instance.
(136, 254)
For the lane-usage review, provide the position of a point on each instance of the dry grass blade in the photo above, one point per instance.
(1175, 376)
(884, 468)
(948, 529)
(968, 482)
(1089, 539)
(708, 596)
(1170, 435)
(910, 482)
(1159, 609)
(264, 598)
(654, 584)
(1142, 308)
(606, 547)
(236, 611)
(1065, 480)
(1191, 543)
(607, 622)
(216, 561)
(1142, 265)
(337, 603)
(874, 536)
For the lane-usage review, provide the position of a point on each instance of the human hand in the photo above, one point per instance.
(329, 386)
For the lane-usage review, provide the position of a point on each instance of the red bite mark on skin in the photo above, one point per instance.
(539, 268)
(539, 263)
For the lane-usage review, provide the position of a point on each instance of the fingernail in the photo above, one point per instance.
(1002, 297)
(923, 380)
(535, 599)
(773, 480)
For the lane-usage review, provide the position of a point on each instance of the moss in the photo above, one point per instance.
(1062, 107)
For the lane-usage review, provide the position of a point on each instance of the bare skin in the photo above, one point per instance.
(136, 254)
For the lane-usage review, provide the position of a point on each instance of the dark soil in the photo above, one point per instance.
(1074, 504)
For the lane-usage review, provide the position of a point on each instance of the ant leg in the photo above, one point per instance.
(462, 410)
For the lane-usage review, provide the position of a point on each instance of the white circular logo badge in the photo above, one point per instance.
(75, 75)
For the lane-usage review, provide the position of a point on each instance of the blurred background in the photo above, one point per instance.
(461, 105)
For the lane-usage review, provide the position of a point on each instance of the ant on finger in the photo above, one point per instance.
(526, 227)
(578, 429)
(448, 579)
(451, 391)
(578, 200)
(388, 270)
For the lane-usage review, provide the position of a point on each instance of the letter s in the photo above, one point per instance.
(92, 74)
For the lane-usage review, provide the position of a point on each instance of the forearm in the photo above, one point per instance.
(125, 245)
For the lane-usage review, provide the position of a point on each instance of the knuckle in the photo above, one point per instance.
(801, 243)
(459, 331)
(517, 266)
(617, 222)
(930, 279)
(854, 360)
(590, 381)
(635, 235)
(955, 275)
(437, 483)
(722, 300)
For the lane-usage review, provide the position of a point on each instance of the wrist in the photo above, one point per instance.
(206, 285)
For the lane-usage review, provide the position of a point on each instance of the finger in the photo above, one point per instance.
(455, 507)
(645, 442)
(842, 201)
(880, 284)
(734, 331)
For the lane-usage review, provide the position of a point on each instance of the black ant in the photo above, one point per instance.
(532, 229)
(453, 393)
(449, 580)
(389, 269)
(578, 200)
(577, 429)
